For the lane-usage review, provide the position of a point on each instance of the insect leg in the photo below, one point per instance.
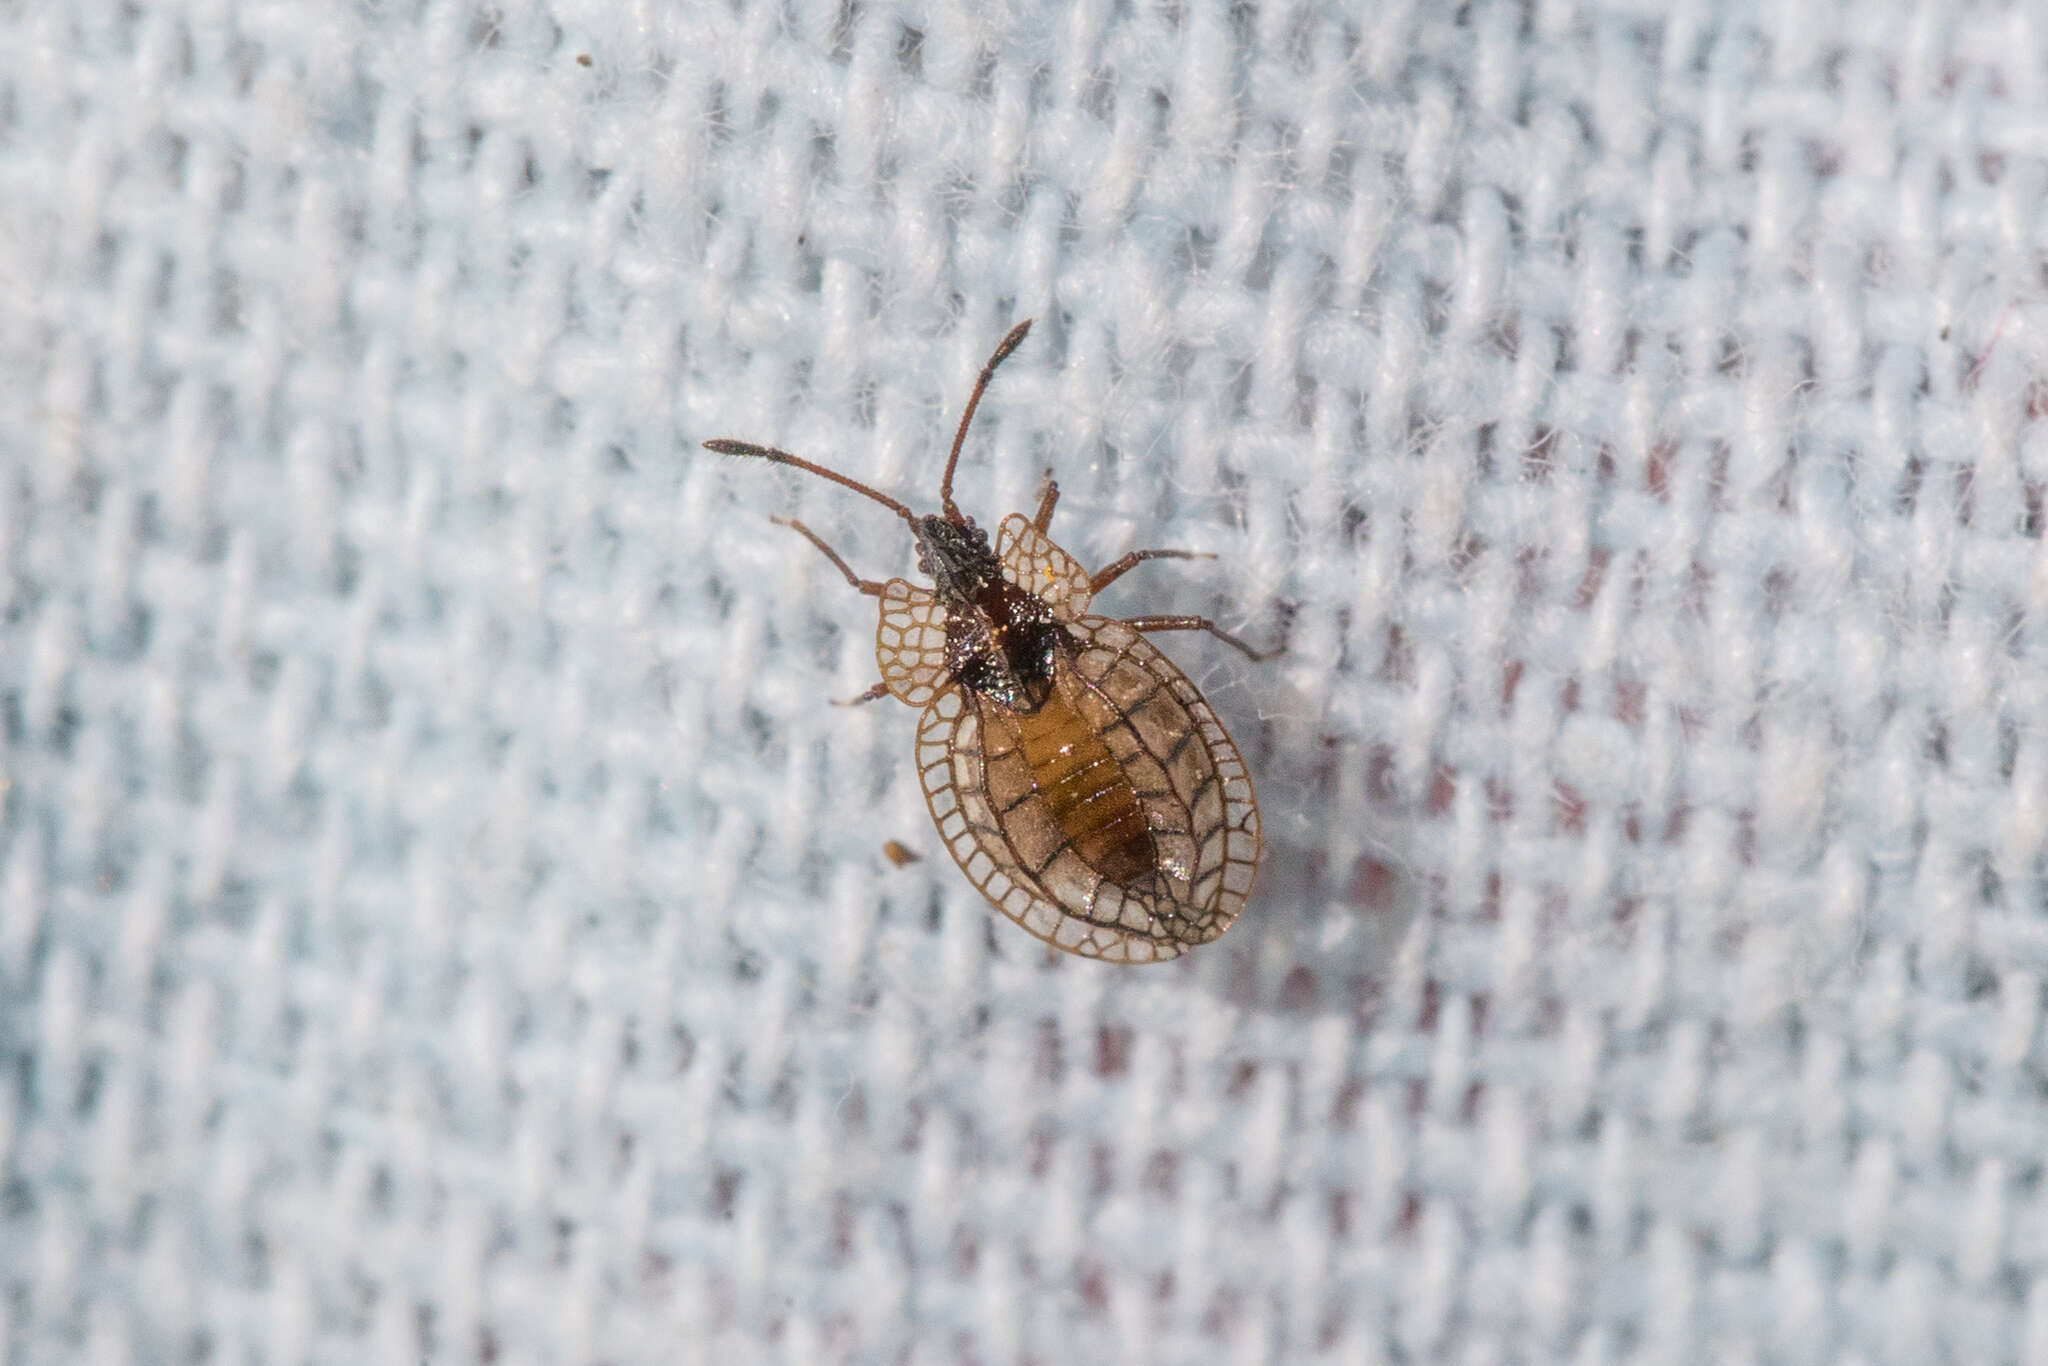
(1193, 624)
(867, 586)
(874, 692)
(1117, 568)
(1048, 494)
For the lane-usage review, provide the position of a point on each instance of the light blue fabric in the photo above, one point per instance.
(441, 917)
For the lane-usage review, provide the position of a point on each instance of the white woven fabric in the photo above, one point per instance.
(441, 918)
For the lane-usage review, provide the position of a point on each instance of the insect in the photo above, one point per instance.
(1079, 780)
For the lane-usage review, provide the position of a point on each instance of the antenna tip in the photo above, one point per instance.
(1008, 344)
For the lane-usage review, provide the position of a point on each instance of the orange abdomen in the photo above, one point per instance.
(1087, 791)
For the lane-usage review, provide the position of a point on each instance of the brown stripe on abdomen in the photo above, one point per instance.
(1086, 790)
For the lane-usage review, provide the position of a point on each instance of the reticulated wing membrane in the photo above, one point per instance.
(910, 642)
(1042, 569)
(1187, 774)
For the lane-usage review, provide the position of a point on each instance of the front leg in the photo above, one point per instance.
(1124, 564)
(867, 586)
(1048, 494)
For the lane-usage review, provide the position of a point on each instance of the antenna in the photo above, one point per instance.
(1002, 353)
(727, 446)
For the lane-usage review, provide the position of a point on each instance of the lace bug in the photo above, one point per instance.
(1077, 777)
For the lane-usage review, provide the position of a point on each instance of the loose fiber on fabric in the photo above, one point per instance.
(444, 919)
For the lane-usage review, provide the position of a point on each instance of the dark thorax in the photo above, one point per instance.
(1001, 642)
